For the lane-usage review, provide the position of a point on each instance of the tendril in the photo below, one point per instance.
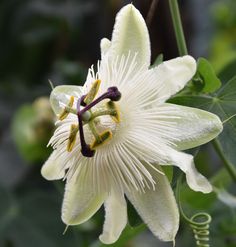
(199, 222)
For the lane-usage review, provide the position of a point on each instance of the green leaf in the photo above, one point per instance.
(196, 200)
(33, 220)
(133, 217)
(221, 179)
(228, 71)
(168, 170)
(223, 104)
(206, 80)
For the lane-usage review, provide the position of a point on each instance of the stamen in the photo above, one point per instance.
(92, 92)
(72, 138)
(105, 136)
(66, 110)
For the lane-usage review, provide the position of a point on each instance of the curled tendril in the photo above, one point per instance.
(199, 222)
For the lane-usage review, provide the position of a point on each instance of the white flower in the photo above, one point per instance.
(127, 139)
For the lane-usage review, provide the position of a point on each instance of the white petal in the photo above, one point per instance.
(185, 162)
(80, 202)
(130, 35)
(154, 146)
(171, 76)
(61, 95)
(116, 218)
(53, 168)
(191, 126)
(105, 45)
(158, 208)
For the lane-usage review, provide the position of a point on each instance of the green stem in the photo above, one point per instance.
(230, 168)
(179, 34)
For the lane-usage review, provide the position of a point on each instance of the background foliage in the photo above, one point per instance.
(59, 40)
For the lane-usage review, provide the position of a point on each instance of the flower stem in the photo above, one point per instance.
(230, 168)
(179, 34)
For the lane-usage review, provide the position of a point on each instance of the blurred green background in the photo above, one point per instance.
(59, 40)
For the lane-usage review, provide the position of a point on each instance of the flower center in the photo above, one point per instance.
(87, 116)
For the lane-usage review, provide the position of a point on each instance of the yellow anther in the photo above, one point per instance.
(92, 92)
(66, 110)
(104, 137)
(71, 102)
(114, 111)
(72, 137)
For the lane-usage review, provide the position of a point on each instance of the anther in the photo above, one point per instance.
(72, 137)
(66, 110)
(92, 92)
(104, 137)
